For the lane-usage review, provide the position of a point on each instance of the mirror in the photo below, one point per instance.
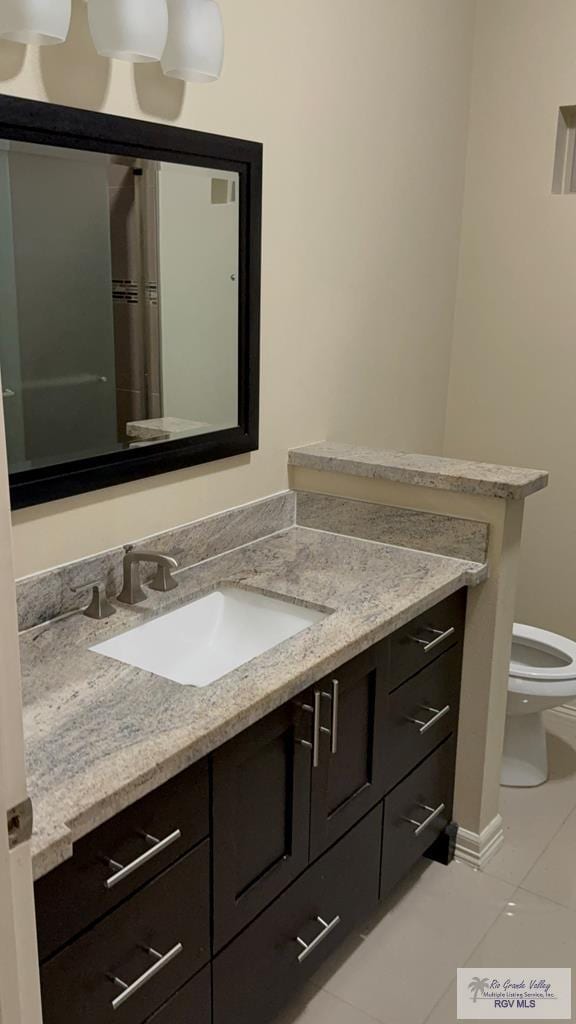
(129, 288)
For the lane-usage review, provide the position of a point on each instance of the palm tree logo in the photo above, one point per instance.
(478, 986)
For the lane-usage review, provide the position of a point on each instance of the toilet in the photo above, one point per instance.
(542, 675)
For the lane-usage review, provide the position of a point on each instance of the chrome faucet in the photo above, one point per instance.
(132, 592)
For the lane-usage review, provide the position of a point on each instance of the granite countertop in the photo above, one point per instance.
(100, 734)
(483, 478)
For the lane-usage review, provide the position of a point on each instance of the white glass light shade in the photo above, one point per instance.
(133, 30)
(195, 47)
(39, 22)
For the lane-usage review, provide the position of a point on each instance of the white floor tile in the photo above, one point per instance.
(445, 1011)
(317, 1007)
(401, 966)
(532, 817)
(554, 874)
(531, 932)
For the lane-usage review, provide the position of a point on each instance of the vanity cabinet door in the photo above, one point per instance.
(261, 814)
(349, 778)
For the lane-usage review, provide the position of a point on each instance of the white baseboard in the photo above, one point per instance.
(476, 848)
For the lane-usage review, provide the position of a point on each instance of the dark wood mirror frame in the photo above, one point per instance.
(53, 125)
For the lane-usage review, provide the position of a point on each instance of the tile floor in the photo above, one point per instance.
(520, 911)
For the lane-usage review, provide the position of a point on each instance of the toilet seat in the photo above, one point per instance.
(542, 675)
(534, 677)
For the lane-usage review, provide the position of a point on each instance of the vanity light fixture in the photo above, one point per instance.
(40, 22)
(195, 48)
(132, 30)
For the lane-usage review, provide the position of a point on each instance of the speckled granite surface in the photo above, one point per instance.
(100, 734)
(57, 591)
(482, 478)
(389, 524)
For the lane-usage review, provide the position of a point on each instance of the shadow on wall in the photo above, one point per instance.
(73, 73)
(158, 96)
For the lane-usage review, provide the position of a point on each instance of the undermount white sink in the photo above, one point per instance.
(203, 640)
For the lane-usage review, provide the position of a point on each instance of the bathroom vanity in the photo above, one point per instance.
(206, 831)
(216, 895)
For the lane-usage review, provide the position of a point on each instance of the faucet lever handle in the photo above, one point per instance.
(163, 579)
(99, 607)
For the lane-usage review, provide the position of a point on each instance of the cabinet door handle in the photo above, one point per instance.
(309, 947)
(440, 637)
(158, 845)
(422, 825)
(161, 962)
(437, 715)
(316, 730)
(334, 697)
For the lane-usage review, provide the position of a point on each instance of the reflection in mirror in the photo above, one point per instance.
(118, 302)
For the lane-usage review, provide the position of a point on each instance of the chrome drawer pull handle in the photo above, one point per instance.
(441, 636)
(158, 845)
(161, 962)
(332, 732)
(421, 825)
(309, 947)
(437, 715)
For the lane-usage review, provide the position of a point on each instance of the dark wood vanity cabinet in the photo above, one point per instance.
(288, 835)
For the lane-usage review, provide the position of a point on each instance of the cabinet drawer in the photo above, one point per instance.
(85, 888)
(258, 972)
(191, 1005)
(416, 645)
(171, 911)
(421, 713)
(416, 812)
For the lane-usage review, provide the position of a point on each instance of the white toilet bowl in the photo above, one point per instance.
(542, 675)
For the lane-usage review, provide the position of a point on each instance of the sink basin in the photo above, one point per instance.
(203, 640)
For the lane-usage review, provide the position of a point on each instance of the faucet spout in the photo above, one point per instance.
(132, 592)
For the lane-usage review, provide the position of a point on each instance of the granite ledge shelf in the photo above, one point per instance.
(512, 483)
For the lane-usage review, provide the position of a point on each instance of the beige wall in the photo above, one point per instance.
(362, 109)
(512, 395)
